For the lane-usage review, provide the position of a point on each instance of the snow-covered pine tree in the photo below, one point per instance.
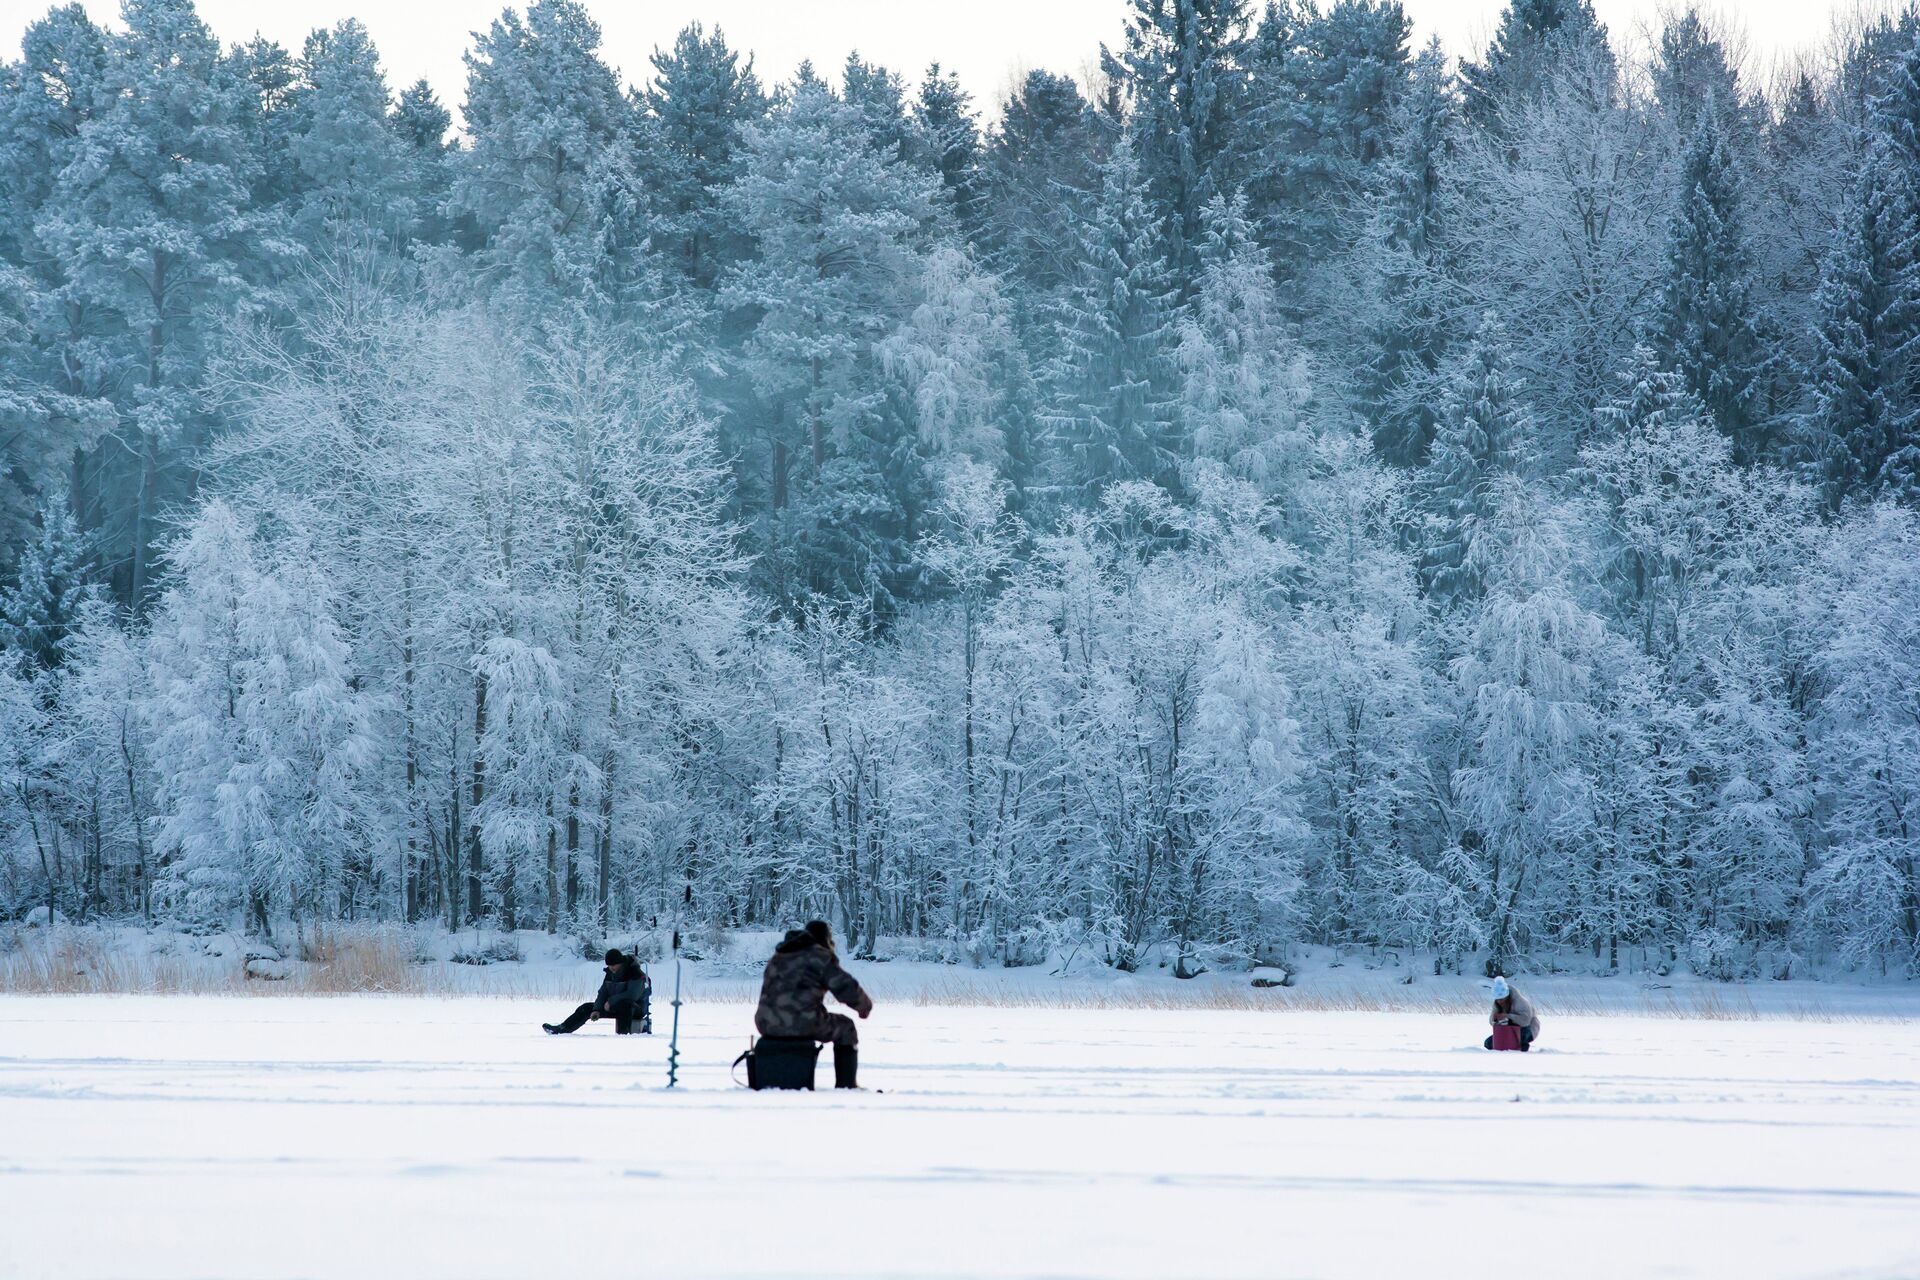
(1181, 70)
(1322, 105)
(422, 123)
(549, 126)
(1244, 381)
(1520, 59)
(1111, 391)
(349, 164)
(825, 473)
(1696, 86)
(151, 221)
(1042, 157)
(701, 95)
(1483, 437)
(1862, 435)
(1400, 266)
(879, 96)
(1709, 330)
(54, 388)
(51, 589)
(948, 141)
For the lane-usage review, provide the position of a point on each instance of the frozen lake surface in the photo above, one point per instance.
(160, 1136)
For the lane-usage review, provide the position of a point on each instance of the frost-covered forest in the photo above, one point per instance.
(1295, 487)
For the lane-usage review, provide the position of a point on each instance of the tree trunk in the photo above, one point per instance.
(479, 794)
(553, 869)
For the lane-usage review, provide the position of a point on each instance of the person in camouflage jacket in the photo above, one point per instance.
(793, 998)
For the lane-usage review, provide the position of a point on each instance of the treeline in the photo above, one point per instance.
(1294, 488)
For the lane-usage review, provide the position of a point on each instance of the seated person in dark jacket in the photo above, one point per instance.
(793, 998)
(622, 997)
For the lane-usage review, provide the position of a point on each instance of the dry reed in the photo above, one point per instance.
(382, 961)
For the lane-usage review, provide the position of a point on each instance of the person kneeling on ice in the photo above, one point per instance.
(1511, 1009)
(793, 998)
(622, 997)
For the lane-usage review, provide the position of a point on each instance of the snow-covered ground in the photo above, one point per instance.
(160, 1136)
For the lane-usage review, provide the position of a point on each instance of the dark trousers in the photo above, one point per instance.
(624, 1014)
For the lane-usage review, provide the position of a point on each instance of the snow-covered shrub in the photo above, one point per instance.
(1721, 956)
(504, 949)
(1778, 963)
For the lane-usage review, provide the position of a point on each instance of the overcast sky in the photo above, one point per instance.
(988, 42)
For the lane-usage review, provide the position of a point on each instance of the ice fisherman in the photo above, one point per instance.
(1511, 1009)
(793, 998)
(623, 996)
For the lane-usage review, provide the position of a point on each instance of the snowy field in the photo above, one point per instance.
(158, 1136)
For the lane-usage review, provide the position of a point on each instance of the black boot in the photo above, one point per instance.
(846, 1064)
(550, 1029)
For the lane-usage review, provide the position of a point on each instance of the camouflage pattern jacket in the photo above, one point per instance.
(793, 995)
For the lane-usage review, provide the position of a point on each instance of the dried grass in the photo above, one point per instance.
(335, 961)
(363, 960)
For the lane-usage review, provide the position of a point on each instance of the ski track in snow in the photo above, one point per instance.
(399, 1136)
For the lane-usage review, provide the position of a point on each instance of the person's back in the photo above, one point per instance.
(804, 968)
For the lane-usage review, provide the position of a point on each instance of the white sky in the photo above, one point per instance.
(988, 42)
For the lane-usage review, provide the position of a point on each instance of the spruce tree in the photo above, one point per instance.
(1860, 437)
(1181, 69)
(880, 98)
(949, 144)
(1044, 155)
(1707, 327)
(1244, 386)
(1518, 63)
(1694, 83)
(1112, 385)
(50, 591)
(1482, 439)
(421, 123)
(1323, 109)
(1405, 333)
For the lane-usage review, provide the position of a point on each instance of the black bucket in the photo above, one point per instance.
(781, 1062)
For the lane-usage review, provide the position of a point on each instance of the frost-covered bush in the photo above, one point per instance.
(503, 949)
(1721, 956)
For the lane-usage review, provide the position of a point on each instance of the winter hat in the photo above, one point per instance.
(821, 932)
(614, 957)
(1501, 989)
